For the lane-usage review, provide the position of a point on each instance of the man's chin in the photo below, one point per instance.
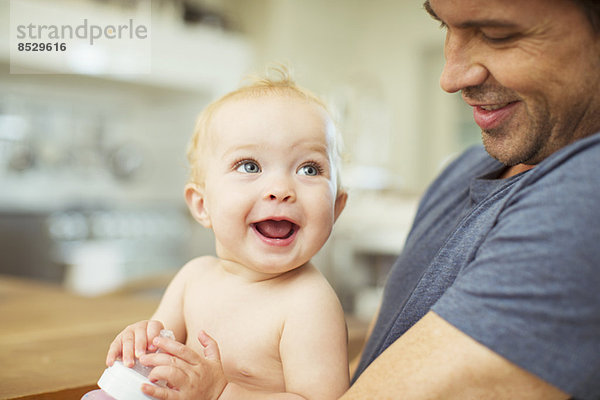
(499, 147)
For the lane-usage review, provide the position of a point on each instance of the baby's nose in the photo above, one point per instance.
(281, 190)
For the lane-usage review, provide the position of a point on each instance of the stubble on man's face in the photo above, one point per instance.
(519, 141)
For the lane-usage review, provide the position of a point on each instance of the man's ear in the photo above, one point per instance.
(194, 197)
(340, 203)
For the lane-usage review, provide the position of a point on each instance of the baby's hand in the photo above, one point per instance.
(188, 374)
(133, 342)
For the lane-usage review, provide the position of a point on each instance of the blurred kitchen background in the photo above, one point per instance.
(92, 167)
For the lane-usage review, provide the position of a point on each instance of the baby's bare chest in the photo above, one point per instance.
(247, 329)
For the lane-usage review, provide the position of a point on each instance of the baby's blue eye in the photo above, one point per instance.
(310, 170)
(249, 167)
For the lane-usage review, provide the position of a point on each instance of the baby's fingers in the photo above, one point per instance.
(140, 340)
(160, 393)
(211, 348)
(177, 349)
(114, 351)
(153, 330)
(128, 346)
(168, 392)
(174, 374)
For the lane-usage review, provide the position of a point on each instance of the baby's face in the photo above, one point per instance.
(270, 188)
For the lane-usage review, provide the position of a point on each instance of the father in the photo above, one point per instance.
(497, 292)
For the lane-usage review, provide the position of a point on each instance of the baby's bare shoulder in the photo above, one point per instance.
(309, 275)
(310, 288)
(197, 268)
(312, 306)
(204, 261)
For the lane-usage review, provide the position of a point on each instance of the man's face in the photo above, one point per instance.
(530, 70)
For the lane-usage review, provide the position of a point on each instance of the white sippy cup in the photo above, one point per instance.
(119, 382)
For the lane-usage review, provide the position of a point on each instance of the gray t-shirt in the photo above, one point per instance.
(513, 263)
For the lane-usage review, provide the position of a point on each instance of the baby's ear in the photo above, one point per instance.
(194, 197)
(340, 203)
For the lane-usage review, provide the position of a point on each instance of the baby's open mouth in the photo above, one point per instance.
(272, 229)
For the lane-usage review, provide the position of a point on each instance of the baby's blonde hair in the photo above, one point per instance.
(276, 81)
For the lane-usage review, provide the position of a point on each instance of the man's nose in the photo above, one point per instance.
(461, 70)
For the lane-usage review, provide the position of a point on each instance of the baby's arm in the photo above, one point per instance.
(137, 338)
(314, 345)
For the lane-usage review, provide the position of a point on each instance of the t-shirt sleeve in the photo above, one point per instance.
(532, 292)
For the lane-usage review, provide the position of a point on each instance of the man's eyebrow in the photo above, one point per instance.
(478, 23)
(487, 23)
(430, 11)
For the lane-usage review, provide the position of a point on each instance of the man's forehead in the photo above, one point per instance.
(477, 13)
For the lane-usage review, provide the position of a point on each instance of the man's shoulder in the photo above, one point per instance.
(580, 157)
(571, 172)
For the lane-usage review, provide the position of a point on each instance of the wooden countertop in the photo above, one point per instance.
(53, 343)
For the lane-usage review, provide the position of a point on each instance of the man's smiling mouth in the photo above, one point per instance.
(494, 106)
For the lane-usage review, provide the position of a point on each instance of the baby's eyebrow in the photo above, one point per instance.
(318, 148)
(236, 149)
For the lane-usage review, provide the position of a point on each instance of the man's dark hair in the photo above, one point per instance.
(591, 9)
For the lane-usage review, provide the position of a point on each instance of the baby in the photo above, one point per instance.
(264, 177)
